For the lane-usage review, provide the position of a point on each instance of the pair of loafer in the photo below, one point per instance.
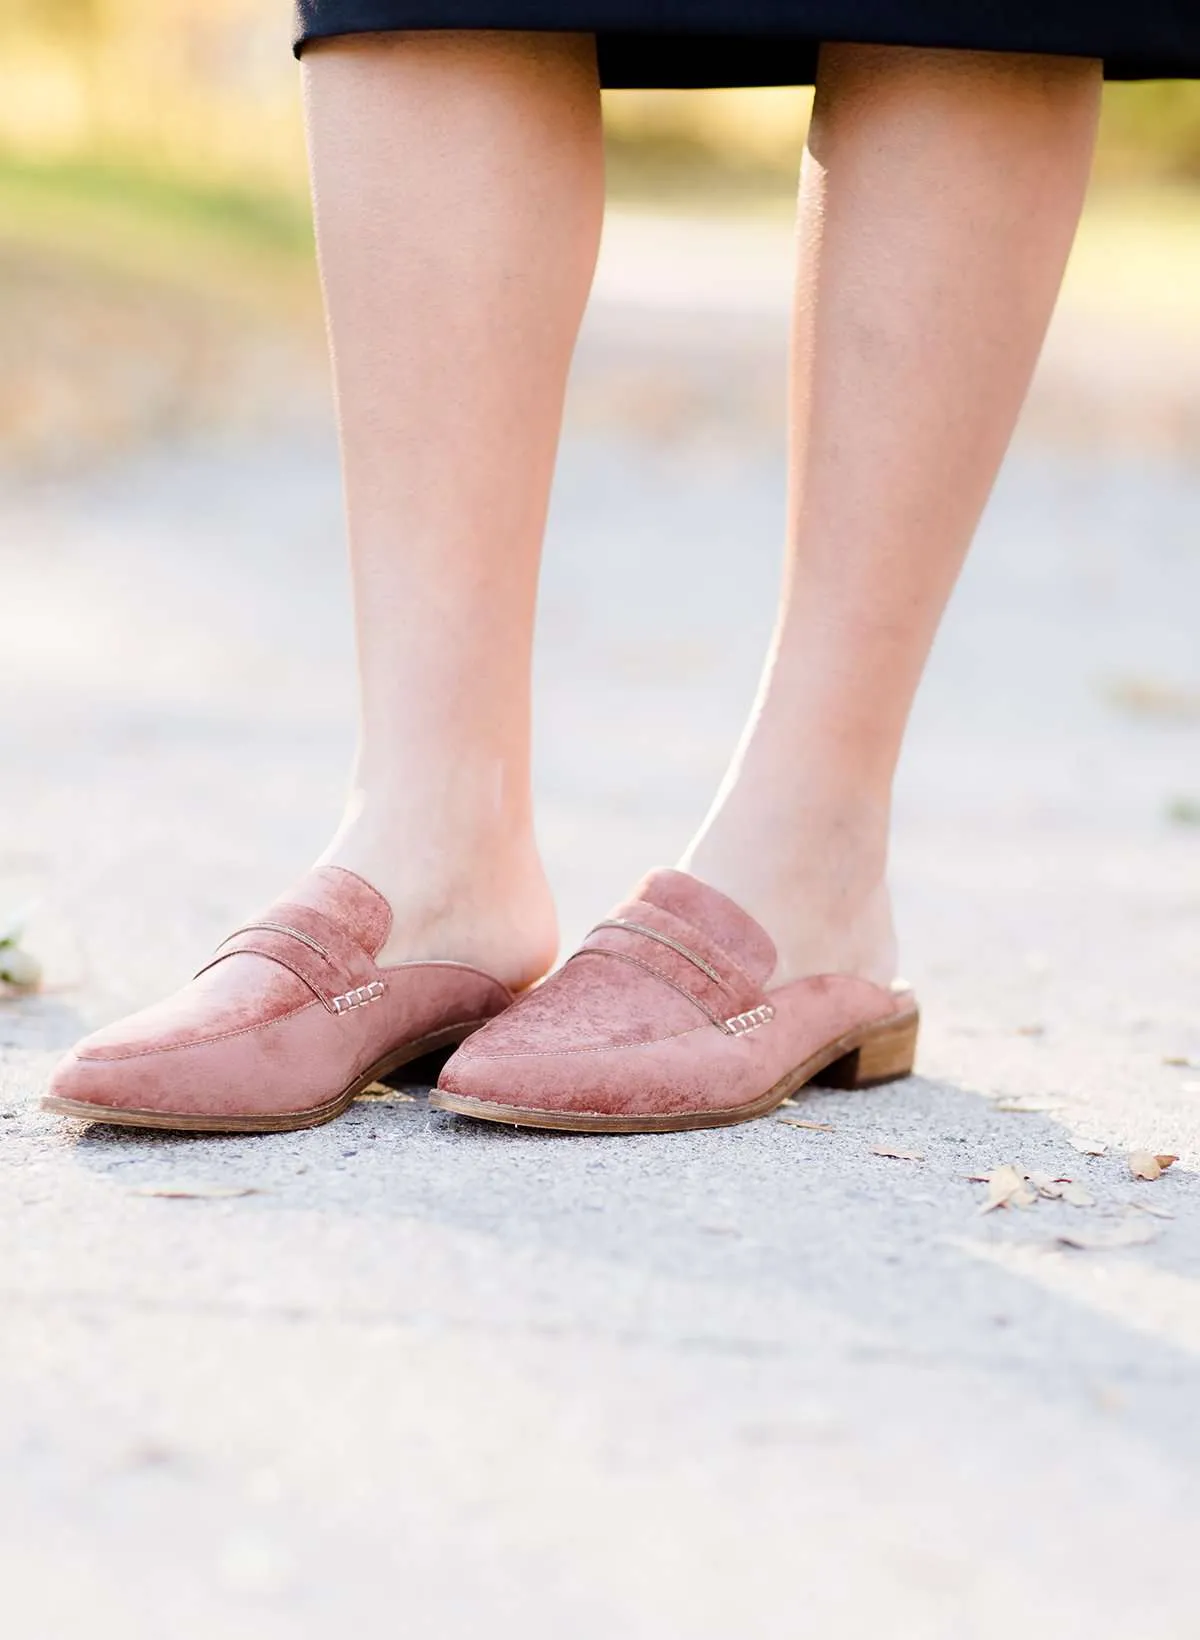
(665, 1018)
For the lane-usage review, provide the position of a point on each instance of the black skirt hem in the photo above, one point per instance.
(755, 52)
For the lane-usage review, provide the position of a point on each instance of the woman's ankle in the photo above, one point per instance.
(822, 895)
(481, 902)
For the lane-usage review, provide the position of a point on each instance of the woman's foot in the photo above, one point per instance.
(820, 891)
(294, 1015)
(455, 889)
(672, 1016)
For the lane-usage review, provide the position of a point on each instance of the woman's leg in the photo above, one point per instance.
(939, 196)
(458, 183)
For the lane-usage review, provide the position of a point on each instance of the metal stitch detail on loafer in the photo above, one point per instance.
(740, 1024)
(359, 997)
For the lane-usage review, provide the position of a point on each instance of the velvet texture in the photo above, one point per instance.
(259, 1030)
(632, 1027)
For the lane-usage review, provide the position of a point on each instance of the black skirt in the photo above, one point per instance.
(774, 42)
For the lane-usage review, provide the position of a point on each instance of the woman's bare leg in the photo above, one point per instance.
(939, 196)
(458, 184)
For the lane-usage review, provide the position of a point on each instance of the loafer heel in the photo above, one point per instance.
(887, 1054)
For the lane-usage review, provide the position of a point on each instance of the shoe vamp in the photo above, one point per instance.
(239, 994)
(596, 1001)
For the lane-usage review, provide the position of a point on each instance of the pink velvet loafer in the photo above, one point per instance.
(290, 1020)
(665, 1019)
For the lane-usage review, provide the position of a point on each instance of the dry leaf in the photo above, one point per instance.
(1090, 1147)
(1180, 1059)
(197, 1191)
(1027, 1107)
(814, 1127)
(1143, 1165)
(380, 1093)
(1052, 1189)
(1009, 1186)
(1006, 1187)
(1062, 1190)
(897, 1155)
(1128, 1234)
(1031, 1030)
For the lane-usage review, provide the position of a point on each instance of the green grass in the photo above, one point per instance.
(128, 220)
(1138, 250)
(278, 221)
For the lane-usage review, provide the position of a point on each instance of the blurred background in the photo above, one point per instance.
(152, 176)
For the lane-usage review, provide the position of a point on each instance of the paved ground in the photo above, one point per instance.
(444, 1381)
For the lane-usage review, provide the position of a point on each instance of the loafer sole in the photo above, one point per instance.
(283, 1121)
(865, 1057)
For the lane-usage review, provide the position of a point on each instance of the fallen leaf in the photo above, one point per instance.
(1128, 1234)
(380, 1093)
(1144, 1165)
(897, 1155)
(1180, 1059)
(814, 1127)
(1062, 1190)
(1090, 1147)
(197, 1191)
(1027, 1107)
(1030, 1030)
(1006, 1187)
